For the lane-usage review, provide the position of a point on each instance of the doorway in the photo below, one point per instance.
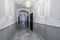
(23, 19)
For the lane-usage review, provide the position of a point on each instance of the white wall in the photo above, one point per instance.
(47, 12)
(39, 11)
(2, 8)
(54, 15)
(7, 13)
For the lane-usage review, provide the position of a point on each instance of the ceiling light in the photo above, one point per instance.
(28, 3)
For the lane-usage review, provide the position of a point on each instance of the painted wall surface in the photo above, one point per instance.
(2, 10)
(7, 13)
(54, 14)
(47, 12)
(39, 11)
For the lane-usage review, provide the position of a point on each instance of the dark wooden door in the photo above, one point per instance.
(31, 21)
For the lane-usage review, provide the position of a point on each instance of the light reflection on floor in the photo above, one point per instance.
(25, 35)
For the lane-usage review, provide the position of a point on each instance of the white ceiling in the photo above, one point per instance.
(19, 2)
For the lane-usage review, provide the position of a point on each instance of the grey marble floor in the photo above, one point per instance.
(25, 35)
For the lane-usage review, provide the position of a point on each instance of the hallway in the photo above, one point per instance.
(26, 35)
(29, 19)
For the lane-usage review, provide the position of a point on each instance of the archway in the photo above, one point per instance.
(26, 14)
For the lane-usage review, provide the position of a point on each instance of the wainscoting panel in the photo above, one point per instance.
(47, 32)
(7, 33)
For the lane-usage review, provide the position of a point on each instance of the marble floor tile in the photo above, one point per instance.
(25, 35)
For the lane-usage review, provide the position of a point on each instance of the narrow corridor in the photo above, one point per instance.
(25, 35)
(29, 19)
